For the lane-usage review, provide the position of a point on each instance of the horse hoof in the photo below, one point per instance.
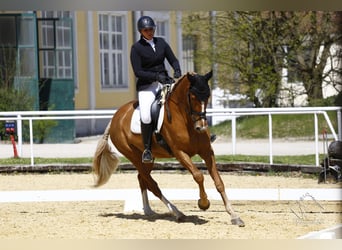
(204, 205)
(238, 221)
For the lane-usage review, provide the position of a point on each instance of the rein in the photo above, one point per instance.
(167, 95)
(201, 115)
(195, 116)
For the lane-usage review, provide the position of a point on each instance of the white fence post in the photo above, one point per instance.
(31, 142)
(270, 137)
(20, 135)
(234, 134)
(316, 138)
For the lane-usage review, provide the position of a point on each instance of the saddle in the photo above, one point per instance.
(157, 114)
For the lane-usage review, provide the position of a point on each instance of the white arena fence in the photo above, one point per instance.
(229, 113)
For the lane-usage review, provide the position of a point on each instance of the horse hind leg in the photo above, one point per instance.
(146, 182)
(152, 186)
(146, 204)
(180, 217)
(134, 156)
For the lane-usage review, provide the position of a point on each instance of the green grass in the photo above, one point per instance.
(37, 160)
(283, 126)
(297, 160)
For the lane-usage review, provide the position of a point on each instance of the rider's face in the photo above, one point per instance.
(148, 33)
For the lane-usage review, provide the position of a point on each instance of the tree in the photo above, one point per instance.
(315, 53)
(252, 48)
(255, 51)
(11, 98)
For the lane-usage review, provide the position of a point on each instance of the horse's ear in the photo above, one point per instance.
(190, 76)
(208, 75)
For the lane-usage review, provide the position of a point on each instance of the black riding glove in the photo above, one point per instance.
(177, 73)
(164, 79)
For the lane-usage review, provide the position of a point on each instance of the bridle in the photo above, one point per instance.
(195, 115)
(202, 94)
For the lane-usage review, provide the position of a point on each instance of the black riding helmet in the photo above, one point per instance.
(145, 22)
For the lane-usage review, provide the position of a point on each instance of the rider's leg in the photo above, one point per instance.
(146, 98)
(146, 132)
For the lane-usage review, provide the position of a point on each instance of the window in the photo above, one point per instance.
(291, 65)
(161, 29)
(64, 49)
(292, 72)
(113, 50)
(56, 45)
(17, 45)
(189, 47)
(56, 14)
(8, 31)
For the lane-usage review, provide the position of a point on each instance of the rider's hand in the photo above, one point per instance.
(164, 79)
(177, 73)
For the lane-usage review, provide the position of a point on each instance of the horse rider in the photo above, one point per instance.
(147, 59)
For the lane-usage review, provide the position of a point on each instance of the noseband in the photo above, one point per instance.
(201, 115)
(202, 96)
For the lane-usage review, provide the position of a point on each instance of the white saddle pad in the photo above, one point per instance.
(135, 122)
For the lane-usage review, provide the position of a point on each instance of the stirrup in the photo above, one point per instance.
(147, 156)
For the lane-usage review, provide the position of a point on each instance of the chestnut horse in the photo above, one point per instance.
(185, 131)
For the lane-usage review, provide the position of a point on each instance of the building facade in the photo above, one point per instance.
(79, 60)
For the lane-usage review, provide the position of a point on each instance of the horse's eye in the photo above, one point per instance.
(193, 97)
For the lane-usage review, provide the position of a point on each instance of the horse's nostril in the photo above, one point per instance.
(200, 128)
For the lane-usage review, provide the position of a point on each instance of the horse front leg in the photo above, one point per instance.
(211, 165)
(203, 203)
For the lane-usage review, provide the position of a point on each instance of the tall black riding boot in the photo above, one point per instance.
(146, 132)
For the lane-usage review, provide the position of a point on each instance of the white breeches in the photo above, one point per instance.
(146, 98)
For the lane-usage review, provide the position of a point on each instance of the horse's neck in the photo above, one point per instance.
(179, 92)
(179, 96)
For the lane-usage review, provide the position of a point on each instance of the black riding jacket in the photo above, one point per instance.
(147, 63)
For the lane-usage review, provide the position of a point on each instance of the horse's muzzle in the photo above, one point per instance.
(200, 119)
(201, 125)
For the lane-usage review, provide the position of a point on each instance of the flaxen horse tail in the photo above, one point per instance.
(105, 161)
